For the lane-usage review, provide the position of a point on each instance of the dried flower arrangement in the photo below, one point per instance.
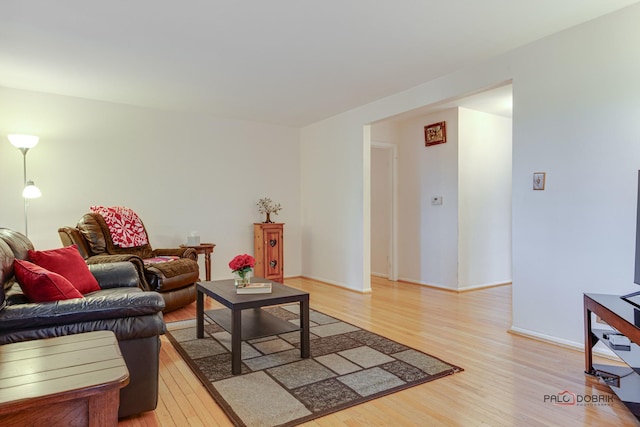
(266, 206)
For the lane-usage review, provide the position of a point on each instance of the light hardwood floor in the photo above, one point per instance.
(504, 383)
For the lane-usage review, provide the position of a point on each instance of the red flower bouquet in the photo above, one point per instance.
(242, 263)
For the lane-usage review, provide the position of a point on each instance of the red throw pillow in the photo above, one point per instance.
(68, 263)
(41, 285)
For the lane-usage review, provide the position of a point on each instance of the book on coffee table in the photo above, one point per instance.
(255, 288)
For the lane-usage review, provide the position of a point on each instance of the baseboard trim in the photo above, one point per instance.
(460, 290)
(336, 284)
(428, 285)
(413, 282)
(572, 345)
(484, 286)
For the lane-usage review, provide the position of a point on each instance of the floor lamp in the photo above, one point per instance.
(30, 191)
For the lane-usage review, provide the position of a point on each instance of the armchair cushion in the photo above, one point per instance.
(68, 263)
(41, 285)
(125, 227)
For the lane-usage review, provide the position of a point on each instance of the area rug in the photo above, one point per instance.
(348, 366)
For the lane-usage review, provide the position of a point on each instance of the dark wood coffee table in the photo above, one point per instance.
(245, 324)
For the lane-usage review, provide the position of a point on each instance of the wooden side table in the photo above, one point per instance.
(68, 380)
(207, 250)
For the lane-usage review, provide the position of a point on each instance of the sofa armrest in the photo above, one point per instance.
(115, 275)
(96, 306)
(133, 259)
(107, 259)
(189, 253)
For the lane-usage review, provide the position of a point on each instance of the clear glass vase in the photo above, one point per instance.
(242, 278)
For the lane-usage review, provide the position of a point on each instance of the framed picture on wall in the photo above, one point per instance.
(435, 133)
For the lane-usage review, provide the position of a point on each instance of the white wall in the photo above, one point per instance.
(385, 132)
(428, 234)
(180, 172)
(484, 193)
(576, 109)
(576, 118)
(333, 199)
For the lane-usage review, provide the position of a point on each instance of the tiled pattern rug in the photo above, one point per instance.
(348, 366)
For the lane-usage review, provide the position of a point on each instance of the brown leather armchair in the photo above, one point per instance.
(134, 316)
(174, 280)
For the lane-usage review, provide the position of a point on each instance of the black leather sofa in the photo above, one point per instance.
(120, 306)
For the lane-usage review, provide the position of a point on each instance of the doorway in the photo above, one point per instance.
(383, 210)
(422, 229)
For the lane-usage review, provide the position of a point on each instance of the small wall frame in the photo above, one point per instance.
(435, 133)
(539, 179)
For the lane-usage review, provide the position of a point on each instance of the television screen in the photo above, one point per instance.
(634, 298)
(636, 277)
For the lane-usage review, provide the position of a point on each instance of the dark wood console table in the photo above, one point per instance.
(625, 318)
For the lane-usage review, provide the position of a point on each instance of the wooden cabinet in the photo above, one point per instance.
(268, 250)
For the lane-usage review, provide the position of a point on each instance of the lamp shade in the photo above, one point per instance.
(23, 141)
(31, 191)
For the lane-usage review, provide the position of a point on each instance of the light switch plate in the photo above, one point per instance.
(539, 179)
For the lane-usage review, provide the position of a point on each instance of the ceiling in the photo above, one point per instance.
(287, 62)
(498, 101)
